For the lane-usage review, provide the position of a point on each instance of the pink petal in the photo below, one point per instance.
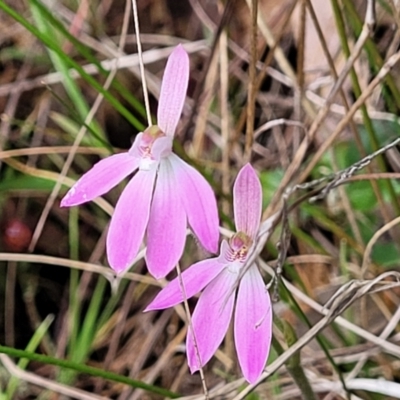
(247, 198)
(173, 91)
(225, 254)
(194, 279)
(162, 147)
(134, 151)
(253, 324)
(129, 220)
(211, 317)
(199, 203)
(166, 232)
(103, 176)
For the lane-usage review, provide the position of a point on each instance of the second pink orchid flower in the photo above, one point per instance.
(227, 286)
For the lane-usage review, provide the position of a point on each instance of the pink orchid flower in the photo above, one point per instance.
(163, 196)
(228, 285)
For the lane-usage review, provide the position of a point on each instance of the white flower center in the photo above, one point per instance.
(149, 156)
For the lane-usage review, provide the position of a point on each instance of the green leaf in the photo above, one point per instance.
(270, 181)
(386, 254)
(25, 182)
(361, 196)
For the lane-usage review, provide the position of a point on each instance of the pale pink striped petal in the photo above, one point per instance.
(103, 176)
(211, 317)
(162, 147)
(129, 221)
(173, 90)
(166, 232)
(194, 279)
(199, 202)
(135, 151)
(225, 253)
(253, 324)
(247, 201)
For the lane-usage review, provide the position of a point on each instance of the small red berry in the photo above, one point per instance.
(17, 235)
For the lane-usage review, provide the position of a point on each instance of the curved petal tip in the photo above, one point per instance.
(103, 176)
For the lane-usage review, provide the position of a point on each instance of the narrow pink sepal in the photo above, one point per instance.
(173, 90)
(166, 231)
(194, 279)
(247, 201)
(253, 324)
(102, 177)
(211, 318)
(199, 202)
(129, 221)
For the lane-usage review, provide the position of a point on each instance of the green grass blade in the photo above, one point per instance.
(72, 64)
(87, 53)
(32, 345)
(68, 82)
(84, 369)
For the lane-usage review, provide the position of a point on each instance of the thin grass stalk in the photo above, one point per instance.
(69, 84)
(375, 60)
(251, 95)
(74, 311)
(353, 127)
(367, 120)
(9, 303)
(295, 370)
(293, 168)
(354, 78)
(226, 16)
(318, 336)
(82, 132)
(88, 55)
(141, 65)
(225, 131)
(48, 42)
(203, 107)
(264, 71)
(87, 332)
(84, 369)
(390, 63)
(118, 331)
(300, 90)
(191, 331)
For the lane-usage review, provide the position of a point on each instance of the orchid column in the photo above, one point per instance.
(165, 194)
